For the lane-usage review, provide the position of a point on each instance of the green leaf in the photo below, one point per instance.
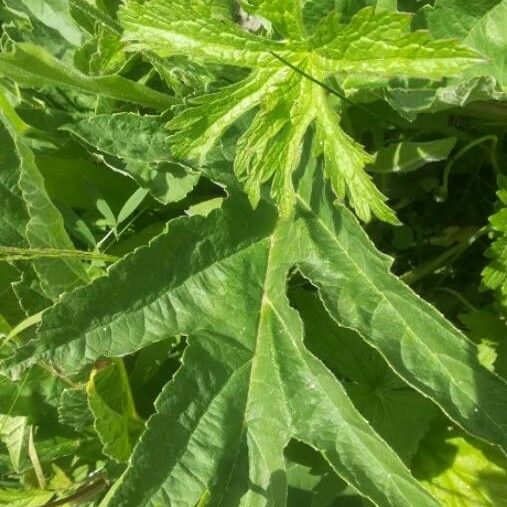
(488, 329)
(205, 208)
(412, 97)
(288, 102)
(409, 156)
(494, 275)
(480, 24)
(455, 18)
(45, 229)
(115, 417)
(10, 311)
(141, 141)
(14, 216)
(14, 433)
(399, 414)
(228, 366)
(34, 67)
(32, 221)
(252, 383)
(131, 205)
(56, 14)
(460, 472)
(25, 498)
(73, 409)
(419, 344)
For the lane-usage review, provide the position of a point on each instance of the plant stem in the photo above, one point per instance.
(444, 188)
(81, 495)
(444, 259)
(11, 253)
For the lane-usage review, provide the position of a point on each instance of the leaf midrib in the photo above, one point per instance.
(108, 321)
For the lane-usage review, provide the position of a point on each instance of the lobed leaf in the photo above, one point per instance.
(238, 392)
(288, 101)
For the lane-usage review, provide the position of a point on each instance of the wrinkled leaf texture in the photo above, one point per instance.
(372, 43)
(247, 384)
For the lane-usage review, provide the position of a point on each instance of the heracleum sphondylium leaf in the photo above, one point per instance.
(288, 103)
(247, 384)
(235, 403)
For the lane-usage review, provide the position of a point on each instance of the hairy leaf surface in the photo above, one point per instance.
(237, 338)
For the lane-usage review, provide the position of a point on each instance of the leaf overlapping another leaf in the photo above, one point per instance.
(247, 374)
(141, 141)
(289, 104)
(480, 25)
(32, 221)
(33, 66)
(242, 304)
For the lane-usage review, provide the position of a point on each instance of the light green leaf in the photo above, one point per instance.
(205, 208)
(289, 103)
(460, 472)
(494, 276)
(201, 30)
(409, 156)
(56, 14)
(14, 433)
(116, 419)
(388, 5)
(286, 15)
(34, 67)
(131, 205)
(25, 498)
